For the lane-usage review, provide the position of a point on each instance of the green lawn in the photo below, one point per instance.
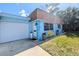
(64, 45)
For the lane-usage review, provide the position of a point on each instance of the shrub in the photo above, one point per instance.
(50, 33)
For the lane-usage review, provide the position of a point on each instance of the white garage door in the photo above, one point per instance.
(13, 31)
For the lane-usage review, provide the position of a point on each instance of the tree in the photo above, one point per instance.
(52, 8)
(70, 17)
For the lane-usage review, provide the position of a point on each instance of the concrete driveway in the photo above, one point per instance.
(12, 48)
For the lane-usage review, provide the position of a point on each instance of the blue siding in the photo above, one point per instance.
(40, 29)
(55, 26)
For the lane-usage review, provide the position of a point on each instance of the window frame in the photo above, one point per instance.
(51, 26)
(48, 26)
(59, 26)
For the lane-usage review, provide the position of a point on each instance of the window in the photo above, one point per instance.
(48, 26)
(59, 26)
(51, 26)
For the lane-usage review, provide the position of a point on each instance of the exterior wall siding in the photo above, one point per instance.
(56, 28)
(40, 29)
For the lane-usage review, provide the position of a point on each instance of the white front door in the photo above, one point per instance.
(34, 30)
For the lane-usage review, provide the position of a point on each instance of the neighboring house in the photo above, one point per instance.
(37, 24)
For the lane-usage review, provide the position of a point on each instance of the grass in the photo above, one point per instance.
(64, 45)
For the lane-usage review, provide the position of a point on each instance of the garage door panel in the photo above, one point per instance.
(13, 31)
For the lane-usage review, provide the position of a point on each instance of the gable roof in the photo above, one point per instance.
(46, 17)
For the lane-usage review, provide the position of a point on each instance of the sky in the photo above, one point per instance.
(16, 8)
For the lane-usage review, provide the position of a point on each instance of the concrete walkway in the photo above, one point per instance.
(35, 51)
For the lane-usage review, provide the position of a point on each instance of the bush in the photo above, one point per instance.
(50, 33)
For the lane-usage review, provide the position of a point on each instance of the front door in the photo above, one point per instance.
(34, 30)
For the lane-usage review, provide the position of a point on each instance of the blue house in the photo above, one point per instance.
(39, 25)
(43, 24)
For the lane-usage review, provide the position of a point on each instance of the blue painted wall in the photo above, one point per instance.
(40, 29)
(55, 26)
